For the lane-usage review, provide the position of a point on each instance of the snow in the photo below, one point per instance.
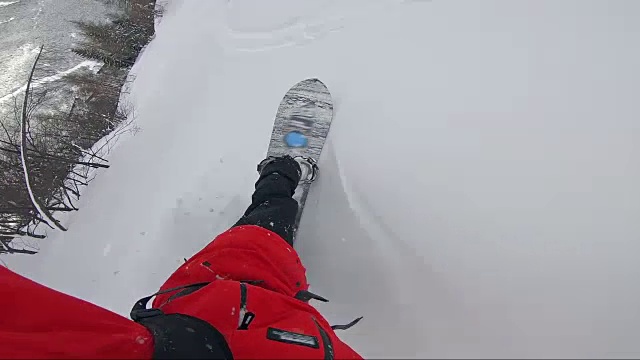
(20, 59)
(107, 250)
(7, 3)
(483, 165)
(91, 65)
(6, 21)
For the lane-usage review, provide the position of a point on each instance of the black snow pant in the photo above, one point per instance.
(272, 205)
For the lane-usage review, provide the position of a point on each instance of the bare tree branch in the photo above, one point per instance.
(23, 152)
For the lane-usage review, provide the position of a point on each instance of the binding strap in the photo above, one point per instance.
(348, 326)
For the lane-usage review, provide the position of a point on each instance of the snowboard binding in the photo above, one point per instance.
(307, 168)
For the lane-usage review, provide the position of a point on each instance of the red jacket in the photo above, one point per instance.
(253, 278)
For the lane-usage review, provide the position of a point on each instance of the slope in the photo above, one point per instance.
(478, 193)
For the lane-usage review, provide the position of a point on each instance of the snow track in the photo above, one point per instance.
(248, 30)
(478, 191)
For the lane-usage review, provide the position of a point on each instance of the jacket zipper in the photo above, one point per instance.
(326, 342)
(244, 317)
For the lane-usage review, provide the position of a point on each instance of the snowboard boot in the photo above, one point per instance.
(284, 166)
(297, 169)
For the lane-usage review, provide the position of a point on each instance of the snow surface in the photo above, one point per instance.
(478, 193)
(7, 3)
(91, 65)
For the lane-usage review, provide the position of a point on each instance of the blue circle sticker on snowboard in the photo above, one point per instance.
(296, 139)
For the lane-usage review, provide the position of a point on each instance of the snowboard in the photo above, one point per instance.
(301, 127)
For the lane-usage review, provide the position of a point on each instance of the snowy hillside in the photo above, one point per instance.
(478, 193)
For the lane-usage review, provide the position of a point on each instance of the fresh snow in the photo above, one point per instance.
(6, 21)
(483, 164)
(7, 3)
